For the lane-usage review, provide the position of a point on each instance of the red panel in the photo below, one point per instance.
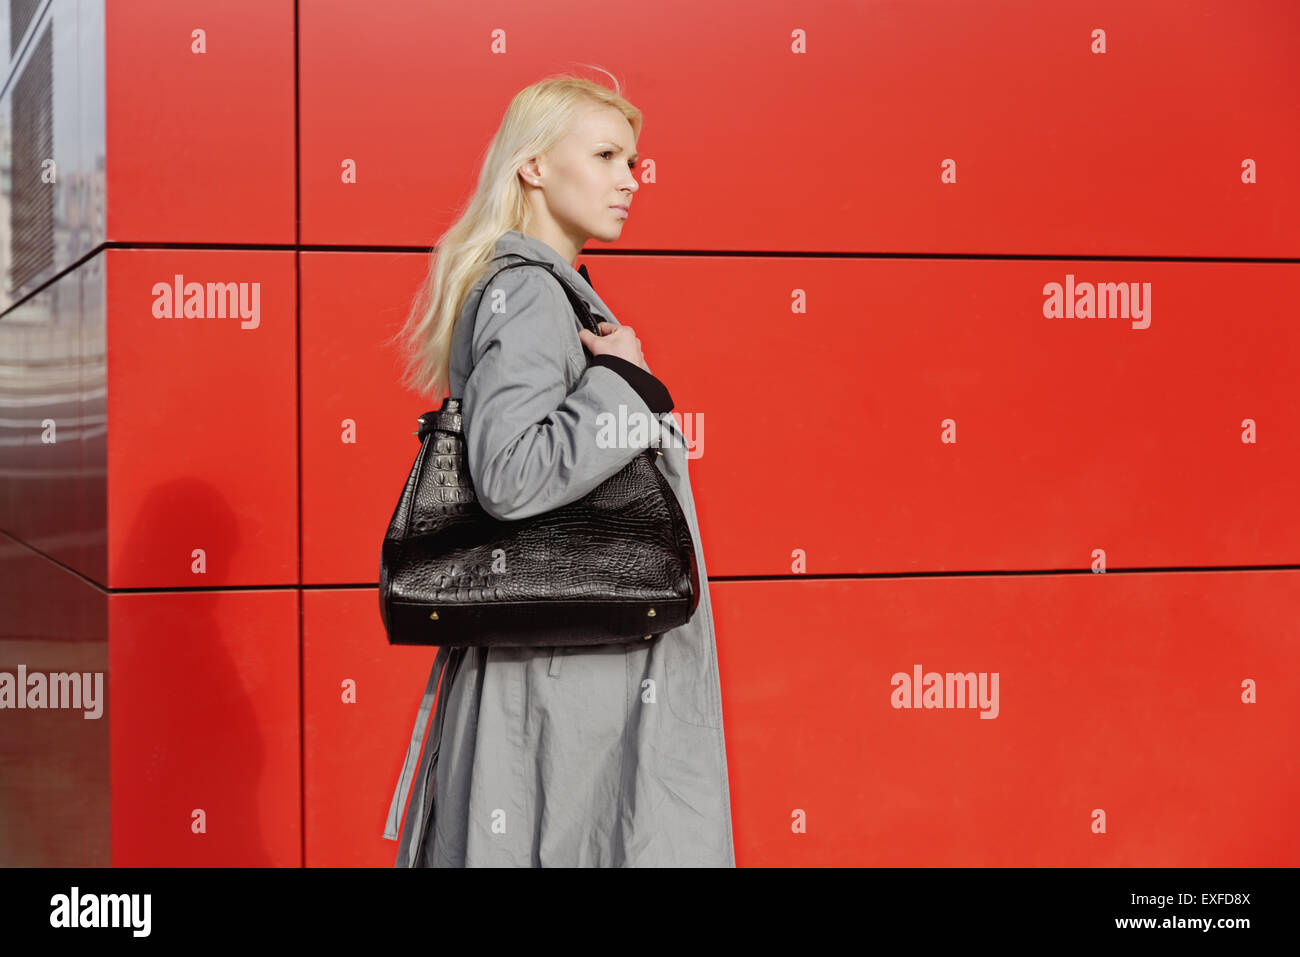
(199, 121)
(1117, 692)
(360, 699)
(822, 431)
(92, 384)
(357, 441)
(1072, 434)
(205, 703)
(202, 410)
(1057, 149)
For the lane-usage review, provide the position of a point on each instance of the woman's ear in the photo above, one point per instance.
(529, 172)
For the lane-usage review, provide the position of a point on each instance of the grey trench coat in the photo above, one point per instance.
(584, 756)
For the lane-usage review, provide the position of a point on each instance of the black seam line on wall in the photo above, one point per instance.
(710, 253)
(845, 576)
(297, 418)
(669, 253)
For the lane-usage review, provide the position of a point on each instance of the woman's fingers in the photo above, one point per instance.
(614, 340)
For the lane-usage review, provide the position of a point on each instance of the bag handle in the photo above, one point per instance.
(575, 300)
(447, 418)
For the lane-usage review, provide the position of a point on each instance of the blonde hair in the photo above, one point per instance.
(537, 118)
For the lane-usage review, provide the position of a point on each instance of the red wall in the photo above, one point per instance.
(848, 218)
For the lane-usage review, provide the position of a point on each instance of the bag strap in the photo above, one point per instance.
(575, 300)
(448, 417)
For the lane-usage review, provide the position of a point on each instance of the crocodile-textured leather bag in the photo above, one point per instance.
(617, 565)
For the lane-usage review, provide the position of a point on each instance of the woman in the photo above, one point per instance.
(606, 755)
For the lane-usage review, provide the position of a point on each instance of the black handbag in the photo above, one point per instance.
(617, 565)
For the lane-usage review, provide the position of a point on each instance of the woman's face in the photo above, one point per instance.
(581, 181)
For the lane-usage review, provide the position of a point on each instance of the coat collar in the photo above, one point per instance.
(514, 241)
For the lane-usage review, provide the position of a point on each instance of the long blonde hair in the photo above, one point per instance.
(538, 116)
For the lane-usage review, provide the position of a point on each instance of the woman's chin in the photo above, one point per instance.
(610, 233)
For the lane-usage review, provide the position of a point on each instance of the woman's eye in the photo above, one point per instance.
(631, 164)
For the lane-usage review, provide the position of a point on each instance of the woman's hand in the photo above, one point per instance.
(614, 340)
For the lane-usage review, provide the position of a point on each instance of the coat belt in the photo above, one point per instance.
(423, 808)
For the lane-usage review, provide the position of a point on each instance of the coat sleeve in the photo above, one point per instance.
(532, 444)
